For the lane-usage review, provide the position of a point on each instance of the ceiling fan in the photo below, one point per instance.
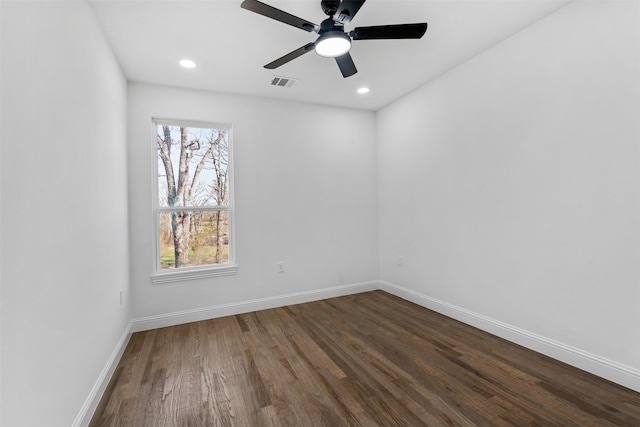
(333, 41)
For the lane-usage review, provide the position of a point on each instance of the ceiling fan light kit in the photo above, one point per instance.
(333, 42)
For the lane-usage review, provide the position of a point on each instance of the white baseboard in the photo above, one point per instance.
(187, 316)
(600, 366)
(91, 403)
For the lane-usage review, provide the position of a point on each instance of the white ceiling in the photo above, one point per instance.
(231, 45)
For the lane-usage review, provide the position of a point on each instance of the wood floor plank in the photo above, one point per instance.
(370, 359)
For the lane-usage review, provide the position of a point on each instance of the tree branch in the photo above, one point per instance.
(164, 151)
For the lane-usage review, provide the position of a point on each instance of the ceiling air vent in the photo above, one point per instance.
(283, 81)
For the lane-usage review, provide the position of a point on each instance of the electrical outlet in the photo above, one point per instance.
(400, 260)
(280, 266)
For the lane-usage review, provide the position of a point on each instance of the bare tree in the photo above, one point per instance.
(220, 157)
(186, 192)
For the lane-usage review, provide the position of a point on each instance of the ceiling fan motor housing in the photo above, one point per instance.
(333, 41)
(330, 25)
(330, 7)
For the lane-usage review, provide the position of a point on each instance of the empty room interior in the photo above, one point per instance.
(433, 228)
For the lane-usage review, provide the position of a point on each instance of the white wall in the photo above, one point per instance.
(64, 210)
(510, 184)
(305, 194)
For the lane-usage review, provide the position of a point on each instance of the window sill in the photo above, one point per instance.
(193, 274)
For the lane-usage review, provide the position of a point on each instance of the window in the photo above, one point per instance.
(193, 215)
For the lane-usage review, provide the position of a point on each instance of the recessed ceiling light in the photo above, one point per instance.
(363, 90)
(187, 63)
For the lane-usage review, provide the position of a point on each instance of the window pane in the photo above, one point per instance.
(193, 238)
(192, 166)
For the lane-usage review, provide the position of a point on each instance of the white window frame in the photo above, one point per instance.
(160, 275)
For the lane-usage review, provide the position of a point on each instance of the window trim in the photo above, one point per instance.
(159, 276)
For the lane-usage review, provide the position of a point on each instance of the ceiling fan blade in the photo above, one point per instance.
(291, 56)
(401, 31)
(279, 15)
(347, 10)
(346, 65)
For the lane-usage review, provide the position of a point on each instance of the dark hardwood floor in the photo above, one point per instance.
(369, 359)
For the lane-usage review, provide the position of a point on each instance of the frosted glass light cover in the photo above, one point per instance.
(332, 45)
